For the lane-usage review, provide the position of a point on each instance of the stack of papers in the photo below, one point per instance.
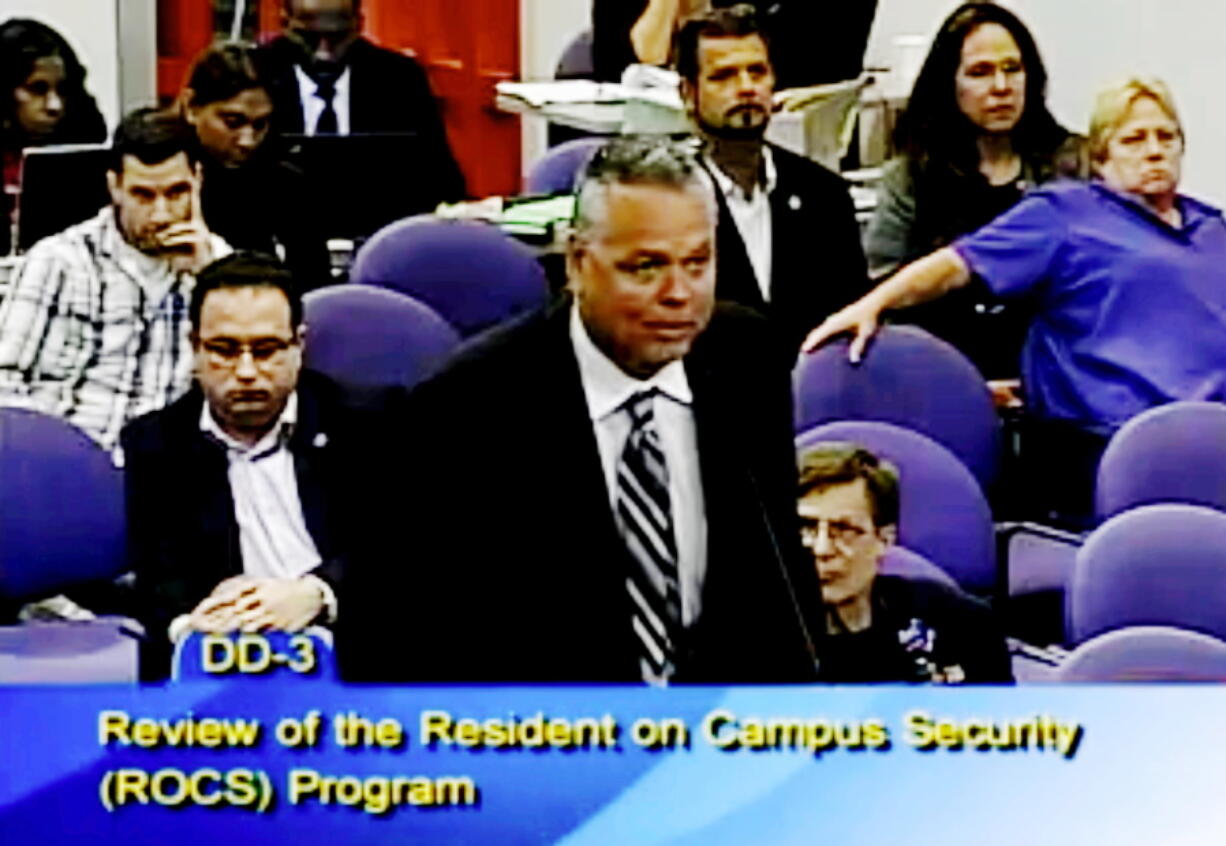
(538, 94)
(537, 218)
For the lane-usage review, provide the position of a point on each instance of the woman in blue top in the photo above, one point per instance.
(1127, 277)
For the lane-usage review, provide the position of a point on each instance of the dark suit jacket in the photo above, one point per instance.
(388, 92)
(817, 263)
(513, 568)
(182, 534)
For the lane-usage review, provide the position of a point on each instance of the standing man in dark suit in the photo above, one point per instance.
(604, 489)
(234, 491)
(326, 79)
(789, 245)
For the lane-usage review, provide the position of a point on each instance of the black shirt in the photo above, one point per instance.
(812, 41)
(921, 632)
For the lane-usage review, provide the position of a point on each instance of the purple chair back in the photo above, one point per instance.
(90, 652)
(1173, 453)
(1147, 654)
(556, 171)
(910, 379)
(943, 513)
(900, 561)
(576, 61)
(61, 507)
(1156, 565)
(471, 273)
(365, 337)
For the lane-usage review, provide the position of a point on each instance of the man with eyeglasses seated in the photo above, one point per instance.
(236, 491)
(882, 628)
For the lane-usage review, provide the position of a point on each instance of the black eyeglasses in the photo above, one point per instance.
(264, 351)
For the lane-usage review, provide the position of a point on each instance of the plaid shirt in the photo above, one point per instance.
(94, 331)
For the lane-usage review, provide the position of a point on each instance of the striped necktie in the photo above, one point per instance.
(644, 515)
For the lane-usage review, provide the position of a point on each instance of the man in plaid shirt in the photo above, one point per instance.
(94, 328)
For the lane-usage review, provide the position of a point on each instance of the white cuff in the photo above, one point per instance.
(329, 597)
(179, 627)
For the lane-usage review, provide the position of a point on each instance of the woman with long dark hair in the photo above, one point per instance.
(976, 135)
(44, 102)
(250, 196)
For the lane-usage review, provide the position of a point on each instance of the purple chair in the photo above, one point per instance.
(61, 524)
(1173, 453)
(576, 61)
(900, 561)
(943, 516)
(61, 507)
(93, 652)
(471, 273)
(1147, 654)
(556, 171)
(365, 337)
(910, 379)
(1156, 565)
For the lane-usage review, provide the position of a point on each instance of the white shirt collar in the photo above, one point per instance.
(733, 191)
(273, 438)
(607, 387)
(305, 83)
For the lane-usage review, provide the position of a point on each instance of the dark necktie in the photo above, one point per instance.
(326, 91)
(644, 515)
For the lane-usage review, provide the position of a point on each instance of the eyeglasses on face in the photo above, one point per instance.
(840, 532)
(263, 351)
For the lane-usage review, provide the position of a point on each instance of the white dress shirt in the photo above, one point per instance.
(313, 104)
(607, 388)
(752, 215)
(272, 532)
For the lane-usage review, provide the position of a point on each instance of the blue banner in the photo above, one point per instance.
(283, 761)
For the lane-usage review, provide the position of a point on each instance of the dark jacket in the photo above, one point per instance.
(817, 264)
(388, 92)
(183, 538)
(265, 203)
(512, 568)
(922, 631)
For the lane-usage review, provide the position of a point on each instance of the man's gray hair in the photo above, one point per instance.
(639, 160)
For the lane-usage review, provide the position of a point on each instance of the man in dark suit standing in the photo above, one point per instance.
(789, 245)
(326, 79)
(235, 491)
(604, 488)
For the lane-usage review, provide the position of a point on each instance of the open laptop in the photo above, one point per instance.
(60, 186)
(363, 182)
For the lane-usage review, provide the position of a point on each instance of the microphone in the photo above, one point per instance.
(810, 645)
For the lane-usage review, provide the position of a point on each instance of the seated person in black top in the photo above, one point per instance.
(787, 238)
(884, 628)
(816, 42)
(250, 196)
(326, 79)
(235, 492)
